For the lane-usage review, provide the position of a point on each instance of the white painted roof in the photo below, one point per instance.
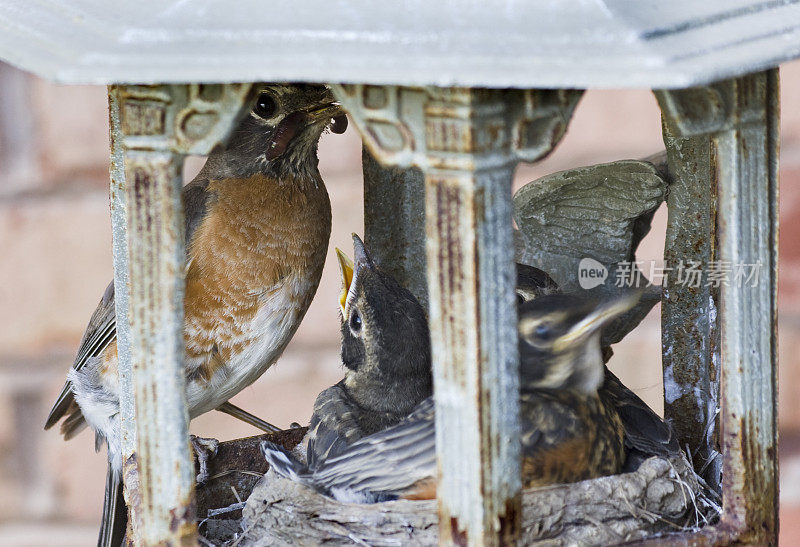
(494, 43)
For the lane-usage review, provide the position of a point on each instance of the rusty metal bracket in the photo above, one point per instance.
(151, 128)
(722, 142)
(689, 326)
(467, 143)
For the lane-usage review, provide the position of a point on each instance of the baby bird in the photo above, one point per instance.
(567, 432)
(387, 354)
(646, 433)
(258, 219)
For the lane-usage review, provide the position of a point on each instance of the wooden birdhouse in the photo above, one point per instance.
(448, 98)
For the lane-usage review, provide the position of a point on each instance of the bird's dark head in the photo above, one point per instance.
(559, 339)
(278, 136)
(532, 283)
(385, 336)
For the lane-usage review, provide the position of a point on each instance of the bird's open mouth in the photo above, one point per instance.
(346, 268)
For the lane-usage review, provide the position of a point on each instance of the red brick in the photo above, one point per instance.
(56, 263)
(72, 123)
(789, 239)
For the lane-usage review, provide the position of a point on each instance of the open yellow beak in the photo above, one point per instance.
(346, 270)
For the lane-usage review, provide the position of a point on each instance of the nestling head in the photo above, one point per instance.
(559, 339)
(384, 329)
(532, 283)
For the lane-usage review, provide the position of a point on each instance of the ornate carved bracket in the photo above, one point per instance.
(721, 106)
(525, 125)
(185, 119)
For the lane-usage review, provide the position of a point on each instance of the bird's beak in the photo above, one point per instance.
(362, 258)
(331, 113)
(361, 263)
(597, 319)
(346, 271)
(327, 110)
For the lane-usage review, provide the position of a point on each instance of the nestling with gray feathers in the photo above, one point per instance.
(385, 378)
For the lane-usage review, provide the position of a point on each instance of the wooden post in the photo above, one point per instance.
(471, 283)
(467, 142)
(156, 256)
(151, 128)
(739, 117)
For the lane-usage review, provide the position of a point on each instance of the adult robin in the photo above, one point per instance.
(568, 434)
(258, 219)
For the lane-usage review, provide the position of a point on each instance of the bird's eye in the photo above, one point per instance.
(520, 299)
(266, 107)
(542, 331)
(355, 322)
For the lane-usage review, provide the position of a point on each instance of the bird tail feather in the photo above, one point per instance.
(284, 463)
(115, 514)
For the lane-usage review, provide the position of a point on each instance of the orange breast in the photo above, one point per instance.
(578, 439)
(257, 232)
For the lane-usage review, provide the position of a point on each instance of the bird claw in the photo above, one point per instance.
(205, 449)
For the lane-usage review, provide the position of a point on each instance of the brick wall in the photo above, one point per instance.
(55, 240)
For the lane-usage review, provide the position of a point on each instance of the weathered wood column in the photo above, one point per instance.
(473, 318)
(467, 142)
(735, 123)
(689, 326)
(394, 222)
(151, 128)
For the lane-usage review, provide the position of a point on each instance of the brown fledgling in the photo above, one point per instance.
(646, 433)
(568, 433)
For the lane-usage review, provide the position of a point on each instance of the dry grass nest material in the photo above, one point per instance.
(663, 496)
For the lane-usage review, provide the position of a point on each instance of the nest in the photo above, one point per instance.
(662, 496)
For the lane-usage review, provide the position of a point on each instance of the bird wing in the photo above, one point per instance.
(646, 434)
(588, 208)
(333, 425)
(548, 418)
(386, 464)
(102, 328)
(100, 332)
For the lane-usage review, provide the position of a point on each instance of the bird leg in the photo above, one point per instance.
(241, 414)
(204, 449)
